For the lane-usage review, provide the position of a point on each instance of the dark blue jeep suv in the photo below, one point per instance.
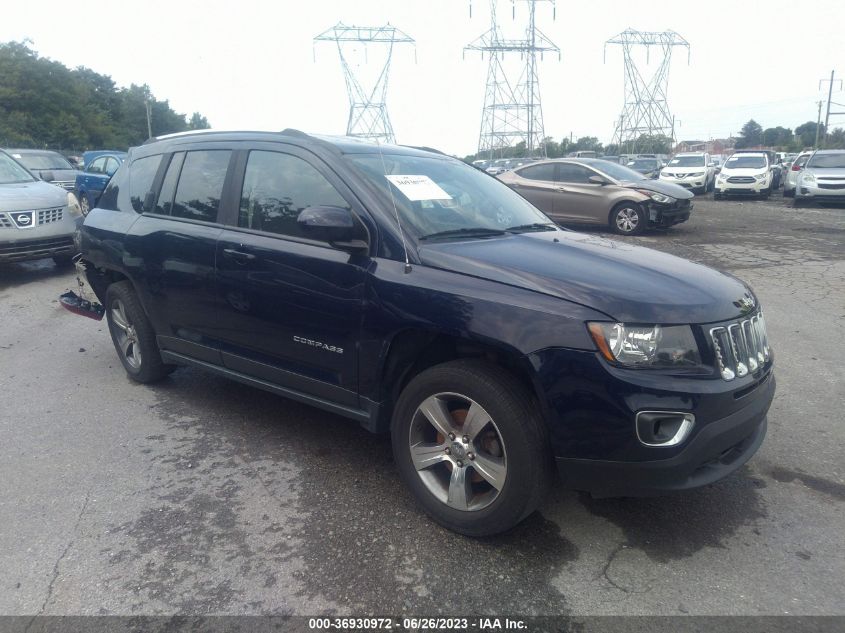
(419, 296)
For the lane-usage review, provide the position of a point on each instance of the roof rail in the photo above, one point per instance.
(153, 139)
(289, 131)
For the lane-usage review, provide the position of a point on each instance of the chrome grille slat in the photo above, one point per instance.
(5, 223)
(46, 216)
(741, 347)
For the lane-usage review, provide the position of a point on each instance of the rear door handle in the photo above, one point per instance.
(238, 256)
(561, 188)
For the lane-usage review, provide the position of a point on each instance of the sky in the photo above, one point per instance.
(252, 64)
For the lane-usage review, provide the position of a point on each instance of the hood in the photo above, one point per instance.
(825, 173)
(26, 196)
(56, 174)
(628, 283)
(661, 186)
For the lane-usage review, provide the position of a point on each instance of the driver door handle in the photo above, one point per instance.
(238, 256)
(561, 189)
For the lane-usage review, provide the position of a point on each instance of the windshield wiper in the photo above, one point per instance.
(534, 226)
(465, 232)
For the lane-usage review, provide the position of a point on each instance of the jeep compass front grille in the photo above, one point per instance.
(741, 347)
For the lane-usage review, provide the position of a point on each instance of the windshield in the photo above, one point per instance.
(687, 161)
(11, 172)
(43, 161)
(827, 161)
(435, 196)
(618, 172)
(746, 162)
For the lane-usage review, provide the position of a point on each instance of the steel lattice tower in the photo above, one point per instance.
(646, 109)
(512, 112)
(367, 107)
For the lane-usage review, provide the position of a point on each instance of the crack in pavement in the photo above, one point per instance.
(605, 572)
(55, 573)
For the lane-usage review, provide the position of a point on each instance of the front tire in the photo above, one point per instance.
(133, 335)
(84, 203)
(628, 218)
(469, 442)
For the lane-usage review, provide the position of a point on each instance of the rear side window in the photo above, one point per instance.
(98, 166)
(141, 176)
(277, 187)
(538, 172)
(201, 185)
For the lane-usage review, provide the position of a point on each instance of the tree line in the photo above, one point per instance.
(44, 104)
(785, 139)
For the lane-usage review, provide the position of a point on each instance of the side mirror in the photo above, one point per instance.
(597, 180)
(334, 225)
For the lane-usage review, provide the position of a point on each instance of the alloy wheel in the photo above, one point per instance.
(627, 220)
(458, 451)
(125, 334)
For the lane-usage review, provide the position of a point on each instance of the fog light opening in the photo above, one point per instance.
(663, 428)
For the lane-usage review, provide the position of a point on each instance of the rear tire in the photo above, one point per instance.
(494, 468)
(133, 335)
(628, 218)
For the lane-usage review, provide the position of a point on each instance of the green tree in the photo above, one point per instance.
(45, 104)
(198, 122)
(750, 135)
(806, 133)
(777, 136)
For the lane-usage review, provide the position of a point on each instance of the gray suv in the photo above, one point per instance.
(823, 178)
(37, 219)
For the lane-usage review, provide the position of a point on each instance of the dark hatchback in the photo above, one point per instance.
(417, 295)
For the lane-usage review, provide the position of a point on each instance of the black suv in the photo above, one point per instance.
(417, 295)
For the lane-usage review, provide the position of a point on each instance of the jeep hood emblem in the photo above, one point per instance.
(745, 304)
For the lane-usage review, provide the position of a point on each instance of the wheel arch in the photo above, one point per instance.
(413, 350)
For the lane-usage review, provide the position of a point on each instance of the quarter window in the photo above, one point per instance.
(201, 185)
(277, 187)
(545, 171)
(141, 178)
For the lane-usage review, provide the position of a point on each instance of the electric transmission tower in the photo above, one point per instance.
(512, 111)
(367, 104)
(646, 110)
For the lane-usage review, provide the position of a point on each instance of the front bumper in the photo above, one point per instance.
(821, 193)
(741, 188)
(665, 215)
(52, 238)
(591, 410)
(719, 449)
(690, 182)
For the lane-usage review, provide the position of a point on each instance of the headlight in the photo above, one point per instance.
(657, 197)
(723, 176)
(73, 205)
(808, 177)
(762, 177)
(646, 346)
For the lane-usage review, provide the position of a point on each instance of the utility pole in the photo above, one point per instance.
(149, 117)
(829, 96)
(818, 124)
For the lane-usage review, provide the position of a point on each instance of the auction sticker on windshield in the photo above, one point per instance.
(416, 188)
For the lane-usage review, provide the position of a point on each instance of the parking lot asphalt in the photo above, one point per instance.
(200, 495)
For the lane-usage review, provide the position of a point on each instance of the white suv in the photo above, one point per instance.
(693, 170)
(746, 173)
